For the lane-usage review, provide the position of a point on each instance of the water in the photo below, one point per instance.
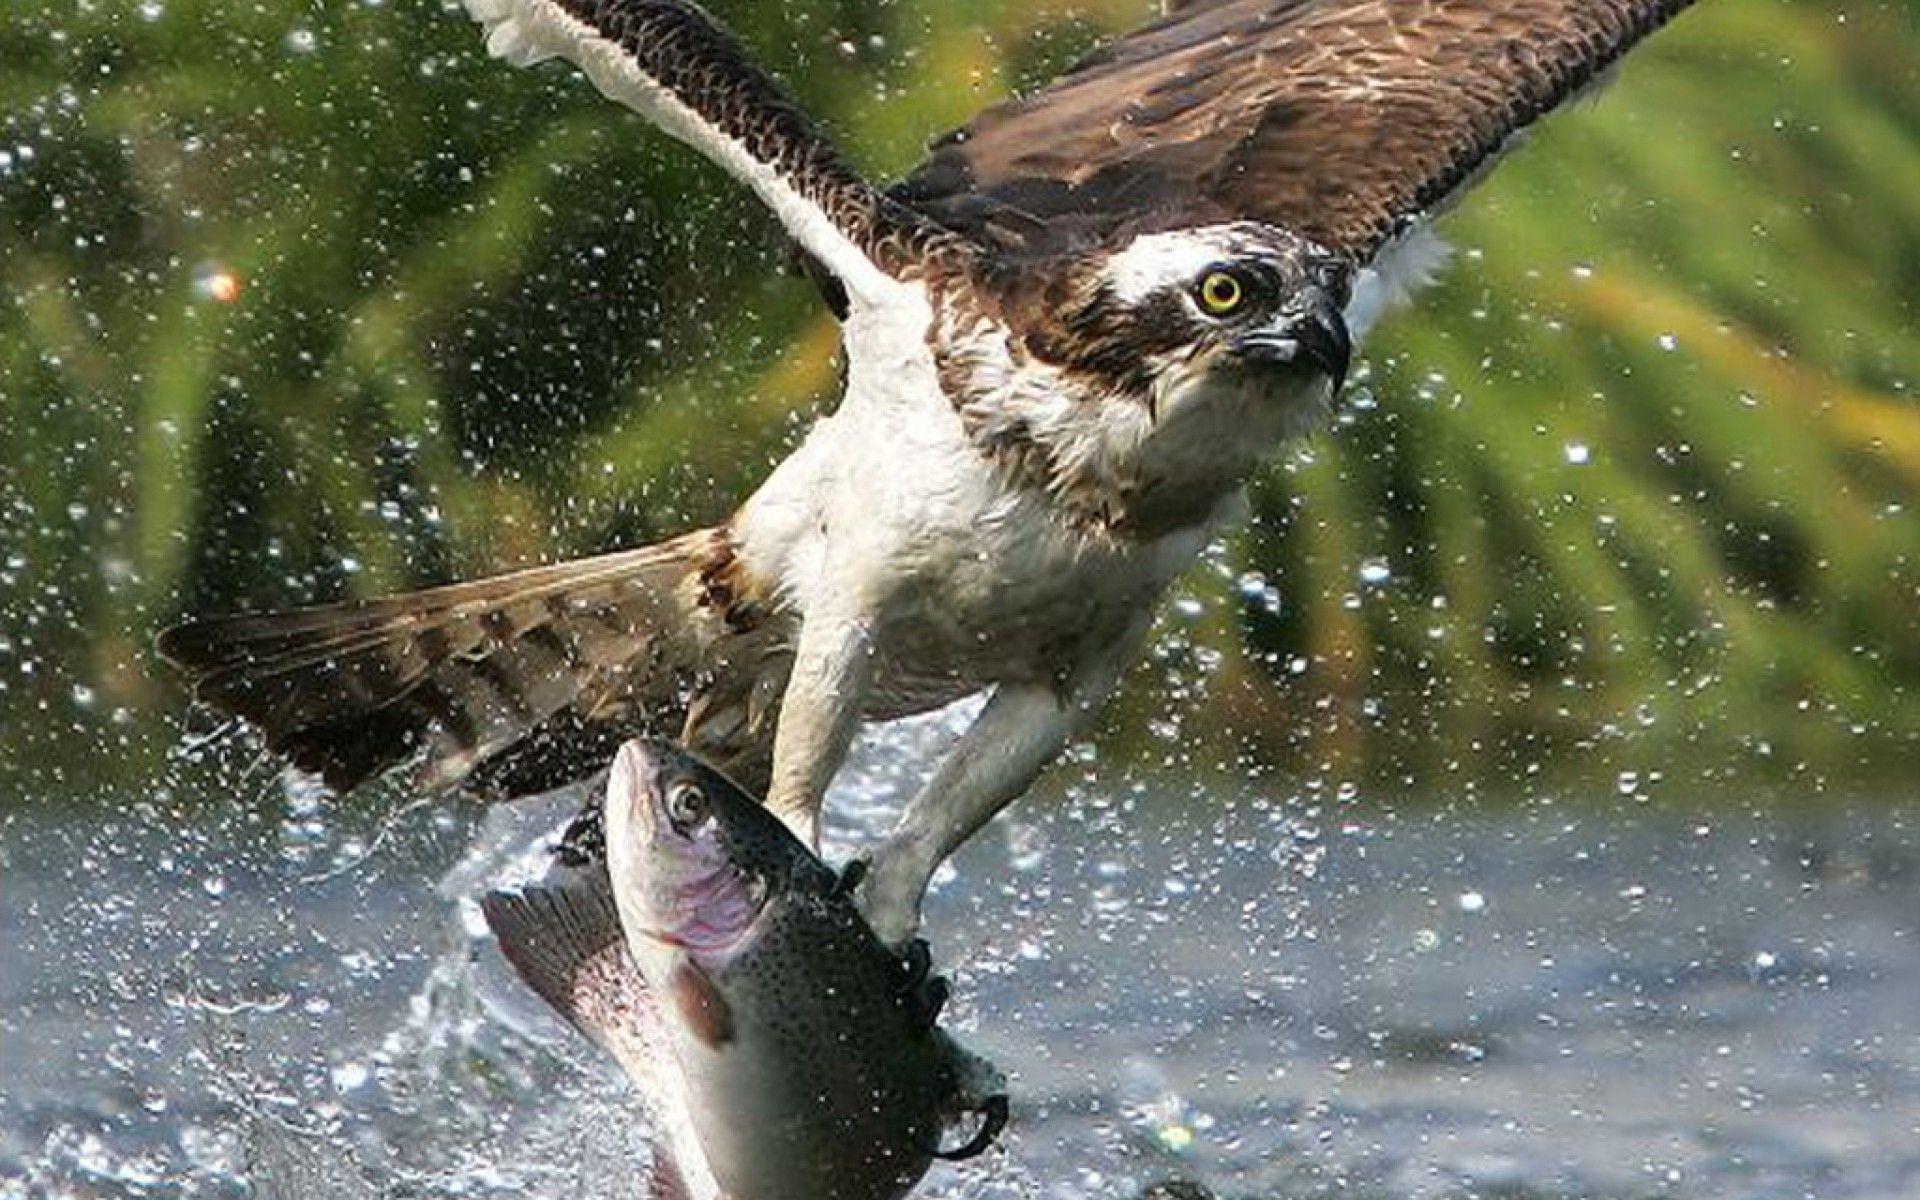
(1586, 997)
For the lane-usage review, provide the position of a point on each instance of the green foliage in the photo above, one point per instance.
(486, 318)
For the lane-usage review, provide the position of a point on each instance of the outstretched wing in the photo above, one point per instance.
(672, 63)
(1342, 120)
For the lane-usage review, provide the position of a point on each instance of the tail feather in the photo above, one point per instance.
(364, 651)
(458, 675)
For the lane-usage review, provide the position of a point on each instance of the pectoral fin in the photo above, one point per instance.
(701, 1006)
(565, 941)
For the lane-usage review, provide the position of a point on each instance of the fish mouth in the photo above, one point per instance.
(634, 779)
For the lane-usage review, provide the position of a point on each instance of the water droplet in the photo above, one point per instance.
(1577, 453)
(473, 922)
(1375, 571)
(211, 281)
(1471, 902)
(301, 41)
(1258, 593)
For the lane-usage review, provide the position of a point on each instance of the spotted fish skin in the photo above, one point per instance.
(810, 1073)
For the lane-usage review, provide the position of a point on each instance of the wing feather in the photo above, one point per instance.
(673, 64)
(1346, 121)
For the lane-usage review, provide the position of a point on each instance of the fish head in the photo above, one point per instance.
(695, 861)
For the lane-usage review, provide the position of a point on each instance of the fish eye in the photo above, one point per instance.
(686, 804)
(1220, 293)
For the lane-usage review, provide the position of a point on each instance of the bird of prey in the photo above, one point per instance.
(1070, 337)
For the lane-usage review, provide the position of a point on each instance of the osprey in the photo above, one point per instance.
(1071, 335)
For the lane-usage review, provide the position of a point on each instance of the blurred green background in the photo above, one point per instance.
(307, 299)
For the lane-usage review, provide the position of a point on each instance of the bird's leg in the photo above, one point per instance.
(819, 713)
(1022, 728)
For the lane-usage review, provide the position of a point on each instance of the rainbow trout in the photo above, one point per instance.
(783, 1051)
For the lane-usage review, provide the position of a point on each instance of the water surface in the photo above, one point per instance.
(1580, 996)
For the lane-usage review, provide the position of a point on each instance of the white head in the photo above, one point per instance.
(1168, 308)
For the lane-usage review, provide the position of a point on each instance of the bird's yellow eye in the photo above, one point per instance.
(1220, 293)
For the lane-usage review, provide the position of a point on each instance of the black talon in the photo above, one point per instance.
(925, 1001)
(917, 960)
(850, 877)
(993, 1119)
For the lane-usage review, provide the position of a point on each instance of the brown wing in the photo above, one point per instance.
(1342, 120)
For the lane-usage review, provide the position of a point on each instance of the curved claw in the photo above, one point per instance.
(850, 876)
(917, 960)
(925, 1001)
(993, 1120)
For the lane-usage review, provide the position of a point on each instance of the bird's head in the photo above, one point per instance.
(1185, 311)
(1143, 383)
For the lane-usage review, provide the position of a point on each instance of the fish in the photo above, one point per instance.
(784, 1051)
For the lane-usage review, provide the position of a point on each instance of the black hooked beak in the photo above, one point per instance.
(1315, 334)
